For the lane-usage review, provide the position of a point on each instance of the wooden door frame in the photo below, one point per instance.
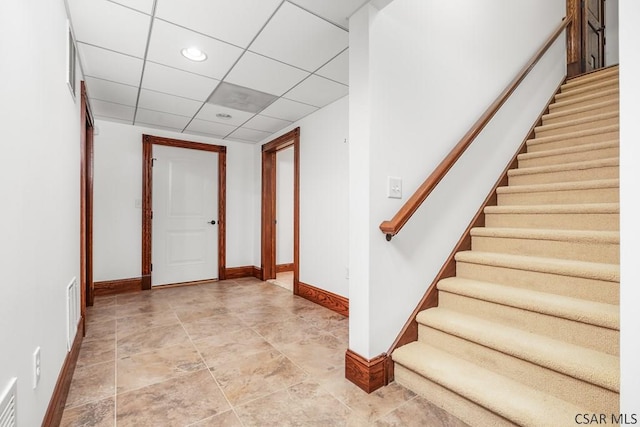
(147, 185)
(576, 39)
(86, 201)
(268, 237)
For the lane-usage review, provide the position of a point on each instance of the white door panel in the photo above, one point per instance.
(185, 201)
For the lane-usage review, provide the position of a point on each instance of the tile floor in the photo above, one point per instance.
(229, 353)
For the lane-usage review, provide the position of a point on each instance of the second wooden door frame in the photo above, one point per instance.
(147, 185)
(86, 202)
(576, 39)
(268, 237)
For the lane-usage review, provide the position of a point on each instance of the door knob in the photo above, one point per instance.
(212, 222)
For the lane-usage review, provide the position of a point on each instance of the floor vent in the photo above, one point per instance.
(8, 405)
(73, 312)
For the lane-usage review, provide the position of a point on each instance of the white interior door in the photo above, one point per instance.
(185, 202)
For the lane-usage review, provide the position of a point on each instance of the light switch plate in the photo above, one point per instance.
(394, 187)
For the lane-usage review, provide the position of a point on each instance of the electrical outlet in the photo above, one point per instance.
(36, 367)
(394, 187)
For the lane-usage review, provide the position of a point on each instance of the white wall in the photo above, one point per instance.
(40, 193)
(284, 206)
(630, 208)
(324, 174)
(118, 184)
(433, 68)
(611, 48)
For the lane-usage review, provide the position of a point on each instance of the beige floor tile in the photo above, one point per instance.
(199, 310)
(94, 414)
(144, 369)
(252, 377)
(176, 402)
(142, 322)
(150, 339)
(91, 383)
(142, 307)
(304, 404)
(287, 331)
(226, 419)
(214, 325)
(317, 355)
(229, 347)
(97, 350)
(419, 412)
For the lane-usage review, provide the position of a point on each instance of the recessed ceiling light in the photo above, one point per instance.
(223, 116)
(194, 54)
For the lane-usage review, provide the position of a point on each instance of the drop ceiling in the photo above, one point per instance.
(269, 62)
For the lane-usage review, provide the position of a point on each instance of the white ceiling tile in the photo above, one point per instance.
(110, 25)
(218, 130)
(145, 6)
(177, 82)
(300, 38)
(168, 40)
(157, 118)
(288, 110)
(264, 74)
(337, 69)
(209, 111)
(335, 11)
(317, 91)
(110, 119)
(267, 124)
(249, 134)
(236, 21)
(113, 92)
(112, 110)
(168, 103)
(108, 65)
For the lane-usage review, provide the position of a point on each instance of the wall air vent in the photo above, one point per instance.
(8, 405)
(73, 311)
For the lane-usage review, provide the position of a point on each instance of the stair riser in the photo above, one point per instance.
(570, 286)
(586, 89)
(549, 120)
(588, 336)
(603, 222)
(596, 123)
(575, 103)
(582, 156)
(464, 409)
(589, 80)
(592, 195)
(537, 146)
(579, 251)
(570, 389)
(605, 172)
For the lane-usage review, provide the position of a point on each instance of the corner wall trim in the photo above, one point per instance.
(327, 299)
(113, 287)
(61, 391)
(244, 271)
(368, 374)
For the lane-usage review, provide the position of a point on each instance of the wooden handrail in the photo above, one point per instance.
(393, 226)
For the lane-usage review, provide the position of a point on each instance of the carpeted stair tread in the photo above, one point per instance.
(611, 72)
(588, 164)
(588, 365)
(569, 150)
(579, 310)
(591, 87)
(562, 267)
(510, 399)
(583, 236)
(583, 98)
(581, 111)
(587, 208)
(574, 135)
(560, 186)
(592, 119)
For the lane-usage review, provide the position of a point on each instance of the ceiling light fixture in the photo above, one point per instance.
(194, 54)
(223, 116)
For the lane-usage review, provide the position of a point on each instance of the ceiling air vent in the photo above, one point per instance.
(241, 98)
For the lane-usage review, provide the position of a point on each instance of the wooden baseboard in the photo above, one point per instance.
(327, 299)
(112, 287)
(281, 268)
(61, 391)
(244, 271)
(368, 374)
(146, 282)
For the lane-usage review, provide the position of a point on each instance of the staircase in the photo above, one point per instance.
(527, 332)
